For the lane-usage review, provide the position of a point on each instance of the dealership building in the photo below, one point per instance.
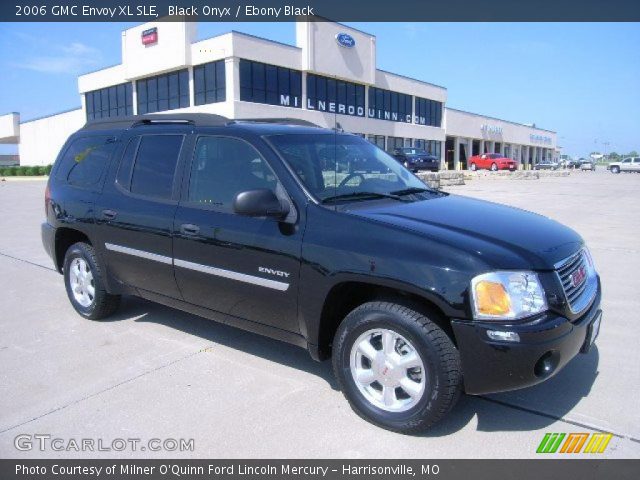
(329, 78)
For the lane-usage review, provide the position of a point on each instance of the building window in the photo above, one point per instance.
(428, 112)
(334, 96)
(377, 140)
(387, 105)
(163, 92)
(433, 147)
(394, 143)
(209, 83)
(115, 101)
(262, 83)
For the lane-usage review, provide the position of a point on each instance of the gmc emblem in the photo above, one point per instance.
(578, 276)
(150, 36)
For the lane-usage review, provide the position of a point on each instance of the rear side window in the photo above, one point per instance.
(154, 166)
(85, 159)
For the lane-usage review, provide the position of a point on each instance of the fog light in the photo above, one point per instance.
(503, 336)
(545, 365)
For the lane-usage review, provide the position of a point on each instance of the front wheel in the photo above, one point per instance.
(494, 167)
(615, 169)
(84, 284)
(473, 167)
(396, 367)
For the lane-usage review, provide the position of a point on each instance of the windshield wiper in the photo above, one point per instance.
(362, 196)
(409, 191)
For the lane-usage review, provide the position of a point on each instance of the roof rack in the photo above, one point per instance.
(200, 119)
(283, 121)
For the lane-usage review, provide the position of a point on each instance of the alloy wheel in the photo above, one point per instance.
(388, 370)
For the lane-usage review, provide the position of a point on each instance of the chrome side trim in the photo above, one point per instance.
(139, 253)
(241, 277)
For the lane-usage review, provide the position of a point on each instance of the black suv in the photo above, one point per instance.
(416, 159)
(414, 293)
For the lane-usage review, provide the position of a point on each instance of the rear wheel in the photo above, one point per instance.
(494, 167)
(84, 284)
(396, 367)
(473, 167)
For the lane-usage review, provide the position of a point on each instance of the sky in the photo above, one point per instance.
(581, 80)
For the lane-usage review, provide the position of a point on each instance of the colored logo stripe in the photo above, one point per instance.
(550, 443)
(598, 443)
(574, 442)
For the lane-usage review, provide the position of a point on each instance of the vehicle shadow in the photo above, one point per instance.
(532, 408)
(528, 409)
(257, 345)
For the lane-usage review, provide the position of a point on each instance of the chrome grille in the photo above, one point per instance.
(578, 296)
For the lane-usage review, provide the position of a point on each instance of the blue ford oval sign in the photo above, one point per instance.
(345, 40)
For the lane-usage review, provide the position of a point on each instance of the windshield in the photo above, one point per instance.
(414, 151)
(332, 166)
(495, 155)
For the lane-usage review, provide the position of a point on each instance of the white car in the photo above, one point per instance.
(588, 165)
(630, 164)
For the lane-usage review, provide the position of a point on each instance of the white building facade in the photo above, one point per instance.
(329, 78)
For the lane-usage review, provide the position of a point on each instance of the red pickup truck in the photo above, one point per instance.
(492, 161)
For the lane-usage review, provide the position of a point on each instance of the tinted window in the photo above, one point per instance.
(163, 92)
(335, 96)
(155, 165)
(387, 105)
(115, 101)
(262, 83)
(222, 167)
(123, 177)
(428, 112)
(209, 83)
(84, 161)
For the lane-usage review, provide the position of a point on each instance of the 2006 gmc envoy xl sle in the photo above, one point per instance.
(416, 294)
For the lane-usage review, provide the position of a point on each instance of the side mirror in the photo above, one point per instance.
(260, 203)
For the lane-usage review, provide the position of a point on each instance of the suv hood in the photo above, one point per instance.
(501, 236)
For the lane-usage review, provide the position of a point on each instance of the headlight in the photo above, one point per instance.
(507, 295)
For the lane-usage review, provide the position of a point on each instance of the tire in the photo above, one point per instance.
(615, 169)
(494, 167)
(438, 378)
(473, 167)
(88, 296)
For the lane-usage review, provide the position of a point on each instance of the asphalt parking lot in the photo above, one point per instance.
(153, 372)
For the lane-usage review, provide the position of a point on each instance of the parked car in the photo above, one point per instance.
(492, 161)
(416, 159)
(588, 165)
(546, 165)
(629, 164)
(415, 294)
(572, 163)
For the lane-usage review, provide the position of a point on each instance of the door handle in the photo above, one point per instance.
(189, 229)
(109, 214)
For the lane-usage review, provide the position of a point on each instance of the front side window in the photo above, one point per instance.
(155, 165)
(335, 165)
(84, 161)
(222, 167)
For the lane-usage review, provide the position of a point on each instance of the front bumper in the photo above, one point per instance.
(490, 366)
